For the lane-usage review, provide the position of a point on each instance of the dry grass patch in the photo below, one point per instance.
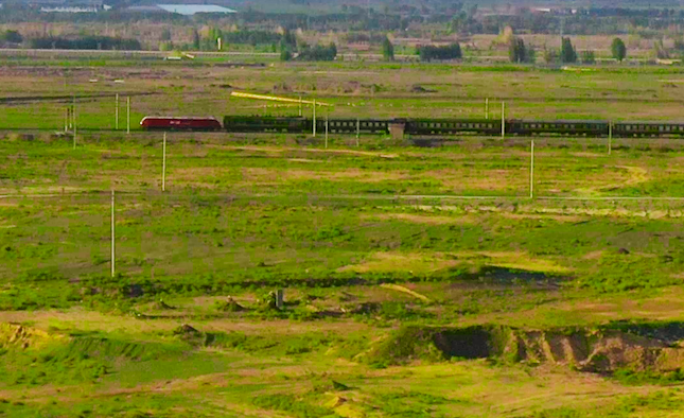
(267, 176)
(541, 217)
(516, 260)
(487, 180)
(385, 262)
(424, 219)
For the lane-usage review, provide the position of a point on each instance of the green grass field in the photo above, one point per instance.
(418, 281)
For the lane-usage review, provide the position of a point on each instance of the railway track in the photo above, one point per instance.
(412, 127)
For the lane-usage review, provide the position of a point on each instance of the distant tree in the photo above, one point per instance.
(165, 46)
(679, 44)
(196, 40)
(285, 50)
(440, 53)
(12, 36)
(165, 35)
(516, 50)
(587, 57)
(531, 54)
(618, 49)
(285, 55)
(472, 11)
(550, 56)
(289, 39)
(660, 50)
(568, 54)
(387, 49)
(318, 53)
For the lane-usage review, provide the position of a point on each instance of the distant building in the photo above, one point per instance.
(69, 9)
(191, 9)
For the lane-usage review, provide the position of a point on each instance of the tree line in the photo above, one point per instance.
(519, 52)
(85, 42)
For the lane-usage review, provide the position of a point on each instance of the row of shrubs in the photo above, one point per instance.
(86, 42)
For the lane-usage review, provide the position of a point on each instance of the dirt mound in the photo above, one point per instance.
(18, 336)
(417, 88)
(597, 350)
(435, 344)
(229, 305)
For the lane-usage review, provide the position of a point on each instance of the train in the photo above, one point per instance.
(419, 127)
(180, 123)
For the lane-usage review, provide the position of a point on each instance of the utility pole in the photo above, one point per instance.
(113, 263)
(562, 22)
(66, 120)
(358, 130)
(314, 118)
(116, 113)
(503, 120)
(74, 117)
(164, 164)
(532, 170)
(487, 108)
(128, 115)
(300, 106)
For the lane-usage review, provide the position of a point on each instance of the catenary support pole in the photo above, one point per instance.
(66, 120)
(487, 108)
(300, 106)
(610, 137)
(74, 118)
(327, 122)
(314, 118)
(503, 120)
(116, 112)
(358, 130)
(164, 164)
(532, 170)
(113, 262)
(128, 114)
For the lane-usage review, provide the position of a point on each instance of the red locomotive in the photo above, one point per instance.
(173, 123)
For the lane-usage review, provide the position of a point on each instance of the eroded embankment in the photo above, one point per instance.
(604, 349)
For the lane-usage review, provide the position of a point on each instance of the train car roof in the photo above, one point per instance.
(558, 120)
(651, 122)
(629, 122)
(181, 117)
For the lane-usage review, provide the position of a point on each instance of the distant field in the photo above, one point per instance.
(418, 281)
